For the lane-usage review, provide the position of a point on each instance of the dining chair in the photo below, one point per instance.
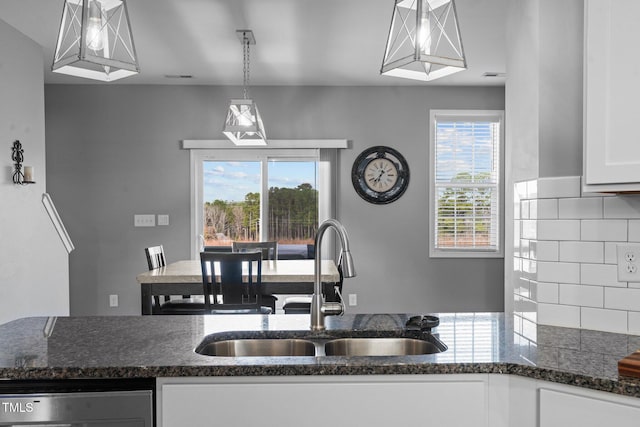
(223, 285)
(301, 304)
(185, 305)
(155, 257)
(269, 251)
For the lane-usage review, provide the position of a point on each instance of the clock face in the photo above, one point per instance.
(380, 175)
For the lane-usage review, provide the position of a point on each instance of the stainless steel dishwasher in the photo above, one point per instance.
(56, 406)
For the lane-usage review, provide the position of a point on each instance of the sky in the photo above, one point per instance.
(231, 181)
(464, 147)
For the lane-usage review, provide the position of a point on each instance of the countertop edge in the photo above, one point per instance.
(624, 387)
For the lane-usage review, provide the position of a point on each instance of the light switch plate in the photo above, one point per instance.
(144, 220)
(163, 219)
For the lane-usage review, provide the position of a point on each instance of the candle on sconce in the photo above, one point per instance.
(28, 173)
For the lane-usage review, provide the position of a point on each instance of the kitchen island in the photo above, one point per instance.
(162, 347)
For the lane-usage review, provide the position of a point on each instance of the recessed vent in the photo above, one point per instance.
(494, 74)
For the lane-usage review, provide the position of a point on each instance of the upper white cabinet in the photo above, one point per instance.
(611, 96)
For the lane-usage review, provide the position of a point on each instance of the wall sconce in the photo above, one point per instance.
(17, 155)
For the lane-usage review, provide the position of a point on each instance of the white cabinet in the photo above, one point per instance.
(479, 400)
(561, 409)
(420, 400)
(535, 403)
(611, 96)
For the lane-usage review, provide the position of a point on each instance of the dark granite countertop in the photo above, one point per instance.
(163, 346)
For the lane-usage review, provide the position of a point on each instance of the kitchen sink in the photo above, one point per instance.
(320, 346)
(258, 347)
(381, 347)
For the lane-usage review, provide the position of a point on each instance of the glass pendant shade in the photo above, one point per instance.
(424, 41)
(243, 125)
(95, 41)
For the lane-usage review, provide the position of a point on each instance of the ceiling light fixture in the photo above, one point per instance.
(243, 125)
(424, 41)
(95, 41)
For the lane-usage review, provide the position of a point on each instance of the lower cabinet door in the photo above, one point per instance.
(320, 403)
(559, 409)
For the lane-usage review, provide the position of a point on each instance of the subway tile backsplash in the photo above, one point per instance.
(565, 256)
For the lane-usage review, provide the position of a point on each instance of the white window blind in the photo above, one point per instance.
(466, 183)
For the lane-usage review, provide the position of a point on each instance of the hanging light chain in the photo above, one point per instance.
(246, 66)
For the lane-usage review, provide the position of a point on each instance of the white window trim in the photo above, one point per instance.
(326, 180)
(458, 252)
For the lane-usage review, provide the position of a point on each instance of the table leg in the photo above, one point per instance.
(146, 299)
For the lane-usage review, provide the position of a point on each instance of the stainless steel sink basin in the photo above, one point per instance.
(381, 347)
(258, 347)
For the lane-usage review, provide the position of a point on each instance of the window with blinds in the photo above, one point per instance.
(466, 183)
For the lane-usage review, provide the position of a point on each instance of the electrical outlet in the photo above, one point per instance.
(144, 220)
(113, 300)
(628, 255)
(353, 299)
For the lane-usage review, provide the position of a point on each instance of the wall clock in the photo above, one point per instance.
(380, 175)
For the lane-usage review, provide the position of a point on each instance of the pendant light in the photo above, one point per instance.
(424, 41)
(243, 125)
(95, 41)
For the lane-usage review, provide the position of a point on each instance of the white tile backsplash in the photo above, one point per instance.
(567, 256)
(567, 316)
(610, 252)
(586, 296)
(604, 230)
(558, 229)
(544, 250)
(554, 187)
(580, 208)
(582, 252)
(634, 322)
(548, 292)
(525, 209)
(600, 275)
(520, 190)
(622, 299)
(565, 272)
(603, 320)
(528, 229)
(634, 230)
(546, 208)
(622, 207)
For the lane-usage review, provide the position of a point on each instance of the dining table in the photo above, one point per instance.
(282, 277)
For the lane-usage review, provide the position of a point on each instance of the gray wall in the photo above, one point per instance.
(33, 263)
(113, 151)
(544, 88)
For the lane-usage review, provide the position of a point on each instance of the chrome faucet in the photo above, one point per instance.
(320, 308)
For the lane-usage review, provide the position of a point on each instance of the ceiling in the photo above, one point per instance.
(298, 42)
